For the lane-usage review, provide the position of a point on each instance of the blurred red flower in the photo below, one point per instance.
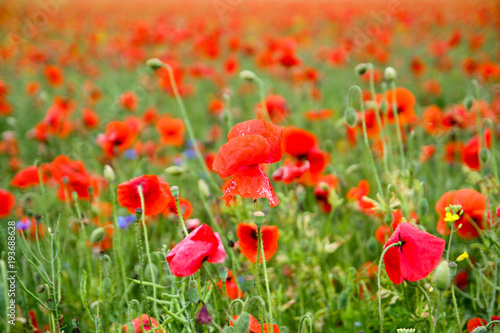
(156, 194)
(248, 241)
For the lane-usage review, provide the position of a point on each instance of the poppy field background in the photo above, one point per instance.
(335, 165)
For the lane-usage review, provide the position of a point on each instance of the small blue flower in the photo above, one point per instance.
(125, 221)
(23, 224)
(130, 154)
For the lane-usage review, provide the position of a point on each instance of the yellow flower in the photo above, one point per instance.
(462, 256)
(451, 217)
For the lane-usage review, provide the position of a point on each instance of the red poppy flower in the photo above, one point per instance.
(302, 145)
(118, 137)
(470, 151)
(136, 323)
(202, 244)
(90, 118)
(171, 131)
(382, 234)
(186, 208)
(358, 193)
(405, 101)
(248, 239)
(277, 108)
(318, 115)
(397, 218)
(8, 201)
(128, 100)
(462, 280)
(150, 115)
(54, 75)
(232, 289)
(156, 194)
(216, 107)
(474, 323)
(28, 177)
(322, 191)
(416, 258)
(249, 144)
(255, 327)
(473, 205)
(72, 177)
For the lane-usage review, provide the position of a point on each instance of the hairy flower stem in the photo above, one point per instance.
(381, 317)
(433, 329)
(189, 128)
(117, 241)
(398, 127)
(266, 279)
(365, 136)
(179, 213)
(148, 254)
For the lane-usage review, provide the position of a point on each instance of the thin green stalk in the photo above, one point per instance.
(117, 240)
(381, 317)
(365, 136)
(189, 128)
(266, 279)
(148, 254)
(398, 127)
(141, 268)
(433, 330)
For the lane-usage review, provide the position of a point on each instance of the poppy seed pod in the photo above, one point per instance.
(390, 74)
(138, 214)
(484, 155)
(175, 191)
(453, 268)
(154, 63)
(97, 235)
(249, 282)
(223, 272)
(259, 218)
(442, 276)
(350, 117)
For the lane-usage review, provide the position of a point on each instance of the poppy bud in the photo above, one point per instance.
(423, 207)
(228, 329)
(484, 155)
(154, 63)
(342, 300)
(175, 170)
(350, 117)
(442, 276)
(223, 272)
(97, 235)
(138, 213)
(453, 268)
(203, 317)
(383, 106)
(390, 74)
(241, 324)
(41, 288)
(361, 69)
(203, 188)
(247, 75)
(259, 218)
(109, 173)
(249, 282)
(192, 292)
(371, 245)
(480, 329)
(38, 219)
(468, 102)
(406, 330)
(175, 191)
(74, 195)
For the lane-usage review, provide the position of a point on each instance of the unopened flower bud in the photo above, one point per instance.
(453, 268)
(350, 117)
(109, 173)
(223, 273)
(192, 292)
(203, 188)
(247, 75)
(41, 288)
(175, 170)
(468, 102)
(484, 155)
(480, 329)
(259, 218)
(241, 324)
(203, 317)
(97, 235)
(442, 276)
(154, 63)
(390, 74)
(361, 69)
